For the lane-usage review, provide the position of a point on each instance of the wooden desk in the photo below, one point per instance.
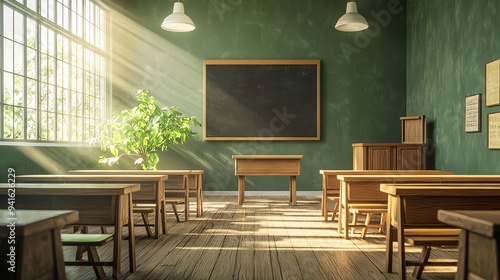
(415, 207)
(479, 250)
(267, 165)
(97, 205)
(178, 180)
(36, 239)
(152, 189)
(372, 185)
(331, 184)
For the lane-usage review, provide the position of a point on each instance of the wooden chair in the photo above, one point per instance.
(361, 199)
(330, 190)
(146, 209)
(89, 242)
(336, 205)
(368, 211)
(175, 187)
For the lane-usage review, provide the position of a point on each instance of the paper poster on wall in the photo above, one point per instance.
(473, 113)
(494, 131)
(492, 83)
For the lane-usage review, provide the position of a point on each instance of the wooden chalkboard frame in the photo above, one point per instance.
(215, 106)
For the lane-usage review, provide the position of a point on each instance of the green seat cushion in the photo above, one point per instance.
(85, 239)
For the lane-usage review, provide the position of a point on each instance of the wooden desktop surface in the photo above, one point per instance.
(152, 188)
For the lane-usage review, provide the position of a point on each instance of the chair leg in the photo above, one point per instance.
(80, 249)
(335, 209)
(367, 222)
(94, 257)
(354, 222)
(175, 212)
(382, 222)
(424, 258)
(145, 219)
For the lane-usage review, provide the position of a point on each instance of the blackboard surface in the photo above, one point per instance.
(261, 100)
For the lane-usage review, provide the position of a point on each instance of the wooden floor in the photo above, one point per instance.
(266, 238)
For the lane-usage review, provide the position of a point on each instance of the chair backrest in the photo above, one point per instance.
(175, 182)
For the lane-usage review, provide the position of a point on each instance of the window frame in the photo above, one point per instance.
(99, 50)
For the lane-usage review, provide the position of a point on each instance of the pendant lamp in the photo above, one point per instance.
(351, 21)
(178, 21)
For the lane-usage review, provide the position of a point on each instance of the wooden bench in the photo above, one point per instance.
(89, 242)
(186, 184)
(146, 209)
(181, 183)
(331, 184)
(368, 188)
(412, 217)
(368, 211)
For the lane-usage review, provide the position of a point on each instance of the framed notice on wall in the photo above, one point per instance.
(492, 83)
(473, 113)
(494, 130)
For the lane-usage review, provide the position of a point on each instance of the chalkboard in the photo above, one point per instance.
(261, 100)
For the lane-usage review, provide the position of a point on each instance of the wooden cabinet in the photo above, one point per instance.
(388, 156)
(407, 155)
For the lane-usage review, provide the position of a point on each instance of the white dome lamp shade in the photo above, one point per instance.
(351, 21)
(178, 21)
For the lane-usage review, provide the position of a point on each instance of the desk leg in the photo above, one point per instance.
(185, 179)
(463, 248)
(324, 201)
(341, 209)
(163, 208)
(241, 189)
(131, 236)
(293, 190)
(60, 271)
(199, 199)
(389, 238)
(117, 242)
(158, 213)
(346, 220)
(401, 239)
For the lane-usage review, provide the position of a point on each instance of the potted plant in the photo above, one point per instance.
(143, 131)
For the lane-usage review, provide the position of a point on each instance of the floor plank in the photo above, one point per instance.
(265, 238)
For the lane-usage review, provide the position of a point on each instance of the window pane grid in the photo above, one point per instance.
(53, 84)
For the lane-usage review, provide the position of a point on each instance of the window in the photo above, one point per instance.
(53, 69)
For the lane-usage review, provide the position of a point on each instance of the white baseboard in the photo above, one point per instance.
(260, 193)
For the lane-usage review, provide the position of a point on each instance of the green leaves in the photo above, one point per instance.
(143, 131)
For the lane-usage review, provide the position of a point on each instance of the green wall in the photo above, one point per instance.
(363, 77)
(448, 44)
